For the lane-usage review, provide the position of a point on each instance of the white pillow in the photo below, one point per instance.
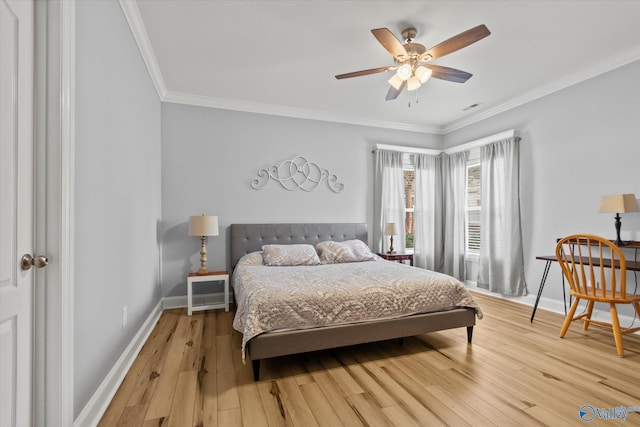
(348, 251)
(289, 255)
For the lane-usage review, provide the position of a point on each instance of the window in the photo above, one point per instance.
(473, 203)
(409, 197)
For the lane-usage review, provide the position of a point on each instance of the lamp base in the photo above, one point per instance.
(619, 242)
(618, 223)
(203, 257)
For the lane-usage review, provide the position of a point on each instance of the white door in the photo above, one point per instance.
(16, 210)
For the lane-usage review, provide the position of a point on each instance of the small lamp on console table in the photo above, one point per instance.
(391, 229)
(203, 226)
(617, 204)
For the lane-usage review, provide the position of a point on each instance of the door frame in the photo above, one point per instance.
(53, 402)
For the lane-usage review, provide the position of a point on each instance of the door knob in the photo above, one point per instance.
(38, 261)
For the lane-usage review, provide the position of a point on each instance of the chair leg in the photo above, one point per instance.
(587, 318)
(615, 325)
(569, 318)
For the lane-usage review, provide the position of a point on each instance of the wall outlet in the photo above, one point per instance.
(124, 316)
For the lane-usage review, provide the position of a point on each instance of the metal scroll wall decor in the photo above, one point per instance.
(297, 174)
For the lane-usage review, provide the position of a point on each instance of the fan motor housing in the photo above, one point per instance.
(415, 49)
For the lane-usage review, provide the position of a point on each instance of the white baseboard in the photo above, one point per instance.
(97, 405)
(553, 305)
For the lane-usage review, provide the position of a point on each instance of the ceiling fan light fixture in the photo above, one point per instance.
(413, 83)
(423, 73)
(410, 59)
(396, 82)
(404, 72)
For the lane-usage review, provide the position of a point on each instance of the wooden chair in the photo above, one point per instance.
(586, 262)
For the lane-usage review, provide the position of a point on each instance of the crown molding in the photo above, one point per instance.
(132, 14)
(136, 24)
(299, 113)
(617, 61)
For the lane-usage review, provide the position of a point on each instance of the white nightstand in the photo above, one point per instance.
(212, 276)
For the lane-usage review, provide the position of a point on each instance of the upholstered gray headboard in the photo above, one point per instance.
(247, 238)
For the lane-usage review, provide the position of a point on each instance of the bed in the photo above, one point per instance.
(272, 339)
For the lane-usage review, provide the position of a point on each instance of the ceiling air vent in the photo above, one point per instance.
(474, 105)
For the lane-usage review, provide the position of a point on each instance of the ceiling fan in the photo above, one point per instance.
(412, 59)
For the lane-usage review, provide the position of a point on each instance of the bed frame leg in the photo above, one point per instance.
(469, 334)
(256, 369)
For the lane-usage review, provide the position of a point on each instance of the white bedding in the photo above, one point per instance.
(272, 298)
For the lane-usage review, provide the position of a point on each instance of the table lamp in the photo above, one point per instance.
(618, 203)
(391, 229)
(203, 226)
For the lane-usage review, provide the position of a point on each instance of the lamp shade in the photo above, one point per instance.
(413, 83)
(404, 72)
(423, 73)
(396, 81)
(391, 229)
(618, 203)
(203, 225)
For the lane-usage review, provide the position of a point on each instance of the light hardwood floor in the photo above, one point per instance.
(190, 373)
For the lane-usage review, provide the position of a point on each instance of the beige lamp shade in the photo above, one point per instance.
(618, 203)
(203, 225)
(391, 229)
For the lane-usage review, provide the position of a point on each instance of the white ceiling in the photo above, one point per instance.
(280, 57)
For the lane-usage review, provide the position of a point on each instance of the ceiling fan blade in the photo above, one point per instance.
(390, 42)
(393, 92)
(364, 72)
(449, 74)
(463, 39)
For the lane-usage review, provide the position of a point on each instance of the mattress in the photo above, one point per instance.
(276, 298)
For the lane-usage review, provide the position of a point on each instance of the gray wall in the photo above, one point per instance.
(209, 157)
(117, 193)
(577, 145)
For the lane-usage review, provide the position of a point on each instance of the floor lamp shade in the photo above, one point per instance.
(617, 204)
(203, 226)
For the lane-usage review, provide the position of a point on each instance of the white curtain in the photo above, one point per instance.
(501, 265)
(427, 216)
(388, 199)
(454, 167)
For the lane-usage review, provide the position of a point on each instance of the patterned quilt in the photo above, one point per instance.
(271, 298)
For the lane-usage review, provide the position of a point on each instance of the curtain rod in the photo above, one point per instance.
(404, 149)
(458, 148)
(480, 142)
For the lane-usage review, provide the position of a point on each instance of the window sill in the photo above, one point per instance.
(472, 257)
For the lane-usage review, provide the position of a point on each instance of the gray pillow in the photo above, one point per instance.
(289, 255)
(347, 251)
